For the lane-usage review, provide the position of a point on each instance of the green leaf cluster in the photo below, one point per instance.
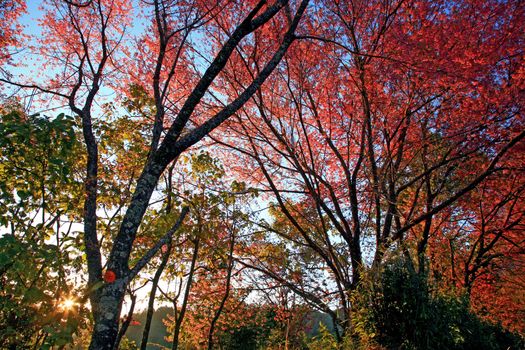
(39, 188)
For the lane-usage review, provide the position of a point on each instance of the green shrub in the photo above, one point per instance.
(397, 309)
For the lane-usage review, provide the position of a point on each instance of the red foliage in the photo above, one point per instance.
(10, 11)
(389, 127)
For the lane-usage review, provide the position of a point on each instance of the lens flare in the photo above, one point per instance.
(68, 304)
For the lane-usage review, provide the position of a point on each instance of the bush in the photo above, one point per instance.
(398, 310)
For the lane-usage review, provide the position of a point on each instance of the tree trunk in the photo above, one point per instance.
(108, 305)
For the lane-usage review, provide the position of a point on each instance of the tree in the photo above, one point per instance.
(218, 216)
(373, 128)
(483, 255)
(380, 130)
(86, 37)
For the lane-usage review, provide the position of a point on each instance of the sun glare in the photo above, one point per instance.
(68, 304)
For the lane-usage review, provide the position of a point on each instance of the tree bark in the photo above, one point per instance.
(105, 331)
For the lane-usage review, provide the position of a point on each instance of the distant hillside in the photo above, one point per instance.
(157, 331)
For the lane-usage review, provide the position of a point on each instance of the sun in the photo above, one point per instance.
(68, 304)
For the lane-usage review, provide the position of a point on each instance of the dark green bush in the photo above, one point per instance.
(397, 309)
